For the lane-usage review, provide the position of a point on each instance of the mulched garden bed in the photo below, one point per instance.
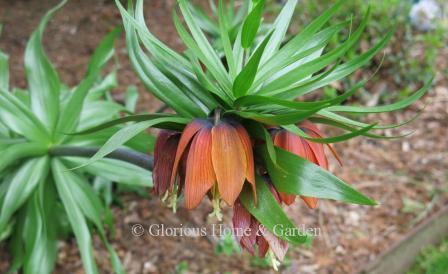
(392, 172)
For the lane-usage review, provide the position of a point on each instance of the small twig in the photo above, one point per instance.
(133, 157)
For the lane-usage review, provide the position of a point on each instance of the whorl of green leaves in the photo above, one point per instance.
(39, 195)
(256, 77)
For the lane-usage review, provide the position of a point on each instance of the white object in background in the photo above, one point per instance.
(425, 14)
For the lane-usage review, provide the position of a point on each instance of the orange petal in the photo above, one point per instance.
(312, 127)
(229, 161)
(189, 132)
(311, 202)
(309, 155)
(288, 199)
(250, 171)
(318, 151)
(200, 176)
(289, 142)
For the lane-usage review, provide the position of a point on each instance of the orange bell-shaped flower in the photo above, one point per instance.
(220, 154)
(311, 151)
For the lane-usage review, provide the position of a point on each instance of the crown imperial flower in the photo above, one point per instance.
(311, 151)
(217, 157)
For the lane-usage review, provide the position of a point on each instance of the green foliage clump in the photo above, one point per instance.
(432, 260)
(41, 198)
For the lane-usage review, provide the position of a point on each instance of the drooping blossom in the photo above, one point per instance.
(311, 151)
(250, 233)
(217, 157)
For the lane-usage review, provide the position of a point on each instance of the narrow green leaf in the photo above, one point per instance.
(23, 184)
(16, 246)
(279, 119)
(98, 112)
(204, 21)
(43, 80)
(325, 121)
(19, 151)
(342, 119)
(143, 142)
(71, 112)
(300, 40)
(131, 98)
(214, 62)
(295, 175)
(317, 64)
(386, 108)
(258, 100)
(92, 208)
(122, 136)
(115, 170)
(155, 80)
(246, 77)
(170, 121)
(75, 216)
(252, 24)
(100, 89)
(4, 72)
(296, 130)
(40, 231)
(225, 39)
(280, 27)
(338, 73)
(270, 214)
(17, 117)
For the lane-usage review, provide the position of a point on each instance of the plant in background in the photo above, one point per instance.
(411, 56)
(241, 112)
(41, 199)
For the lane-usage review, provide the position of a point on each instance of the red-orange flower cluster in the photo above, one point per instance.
(205, 154)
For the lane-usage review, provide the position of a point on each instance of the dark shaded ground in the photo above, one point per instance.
(389, 171)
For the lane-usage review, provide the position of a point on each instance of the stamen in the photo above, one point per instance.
(272, 260)
(170, 198)
(216, 201)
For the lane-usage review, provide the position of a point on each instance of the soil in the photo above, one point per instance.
(392, 172)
